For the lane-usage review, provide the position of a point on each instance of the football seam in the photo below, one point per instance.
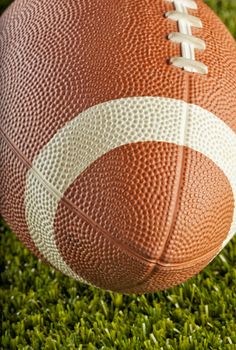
(177, 192)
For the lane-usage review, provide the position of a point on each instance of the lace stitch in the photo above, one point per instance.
(185, 38)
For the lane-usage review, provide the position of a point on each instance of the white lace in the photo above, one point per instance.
(189, 43)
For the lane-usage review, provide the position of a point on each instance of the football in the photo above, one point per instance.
(118, 137)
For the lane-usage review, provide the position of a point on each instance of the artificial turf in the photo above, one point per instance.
(42, 309)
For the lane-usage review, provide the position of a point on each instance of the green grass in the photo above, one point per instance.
(42, 309)
(226, 9)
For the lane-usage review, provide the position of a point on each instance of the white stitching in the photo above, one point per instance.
(189, 43)
(190, 39)
(188, 19)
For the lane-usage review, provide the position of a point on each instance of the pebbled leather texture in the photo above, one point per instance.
(164, 209)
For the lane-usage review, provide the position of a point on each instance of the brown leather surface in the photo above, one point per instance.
(163, 277)
(13, 172)
(55, 66)
(59, 58)
(130, 193)
(216, 91)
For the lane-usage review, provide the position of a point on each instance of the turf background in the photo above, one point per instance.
(41, 309)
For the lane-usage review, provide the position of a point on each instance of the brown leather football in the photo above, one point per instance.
(118, 137)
